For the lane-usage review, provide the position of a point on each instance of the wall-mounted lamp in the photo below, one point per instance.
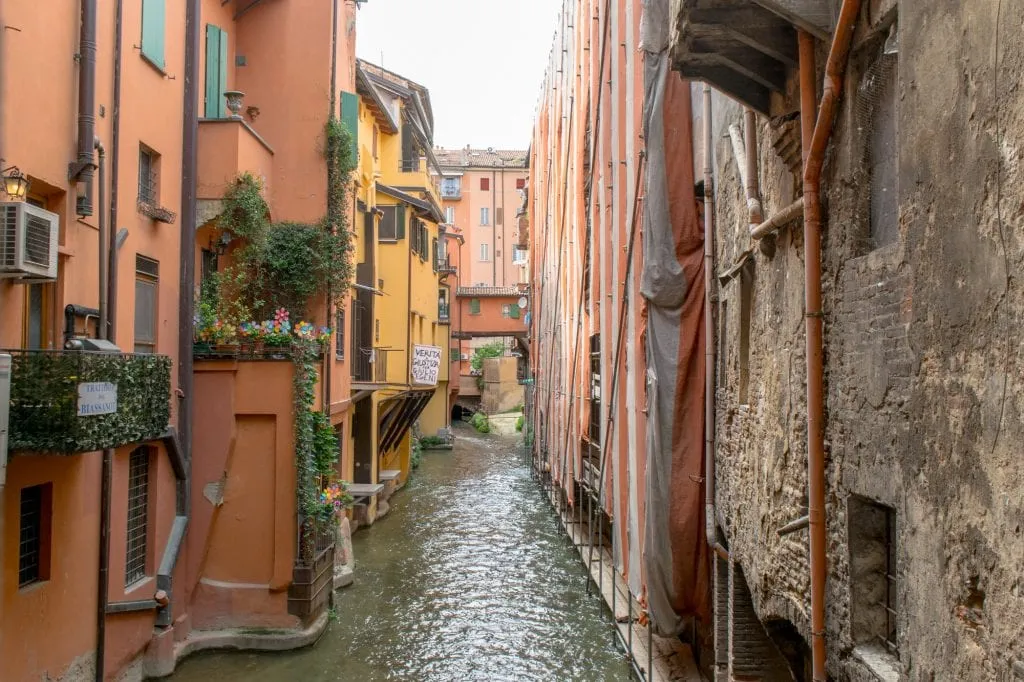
(220, 247)
(15, 183)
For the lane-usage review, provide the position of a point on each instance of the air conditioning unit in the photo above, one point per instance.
(28, 241)
(465, 356)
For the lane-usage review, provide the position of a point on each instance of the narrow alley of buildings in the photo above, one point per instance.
(708, 370)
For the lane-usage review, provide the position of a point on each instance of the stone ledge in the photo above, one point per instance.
(240, 639)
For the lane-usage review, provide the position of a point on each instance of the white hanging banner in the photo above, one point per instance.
(426, 363)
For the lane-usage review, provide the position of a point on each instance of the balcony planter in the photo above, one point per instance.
(234, 102)
(53, 409)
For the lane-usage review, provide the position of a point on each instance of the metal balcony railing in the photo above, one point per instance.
(443, 313)
(444, 265)
(80, 401)
(370, 365)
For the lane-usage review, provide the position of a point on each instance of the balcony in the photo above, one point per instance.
(370, 366)
(445, 267)
(451, 189)
(227, 148)
(79, 401)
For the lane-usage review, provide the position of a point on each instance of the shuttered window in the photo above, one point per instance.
(474, 306)
(154, 16)
(339, 334)
(350, 118)
(513, 311)
(392, 224)
(485, 184)
(147, 281)
(216, 72)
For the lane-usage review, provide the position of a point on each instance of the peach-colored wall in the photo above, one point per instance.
(490, 321)
(226, 148)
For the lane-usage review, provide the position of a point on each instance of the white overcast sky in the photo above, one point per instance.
(483, 61)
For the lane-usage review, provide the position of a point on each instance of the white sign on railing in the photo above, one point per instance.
(426, 362)
(97, 397)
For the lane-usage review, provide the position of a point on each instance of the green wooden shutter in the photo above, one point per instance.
(474, 306)
(216, 71)
(400, 222)
(513, 311)
(350, 117)
(154, 16)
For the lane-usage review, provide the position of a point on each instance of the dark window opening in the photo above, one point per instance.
(595, 389)
(34, 534)
(874, 576)
(138, 517)
(339, 334)
(149, 176)
(147, 281)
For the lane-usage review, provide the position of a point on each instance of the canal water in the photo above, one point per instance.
(470, 577)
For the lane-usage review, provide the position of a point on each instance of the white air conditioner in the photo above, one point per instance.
(28, 241)
(465, 356)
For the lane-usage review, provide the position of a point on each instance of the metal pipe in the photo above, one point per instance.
(778, 220)
(814, 153)
(103, 573)
(794, 526)
(82, 169)
(102, 293)
(754, 210)
(710, 522)
(115, 147)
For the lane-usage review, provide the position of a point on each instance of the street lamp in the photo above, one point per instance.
(15, 182)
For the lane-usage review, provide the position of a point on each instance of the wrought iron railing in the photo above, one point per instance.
(370, 365)
(443, 313)
(444, 265)
(80, 401)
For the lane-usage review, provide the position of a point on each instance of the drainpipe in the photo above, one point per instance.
(777, 220)
(115, 147)
(494, 230)
(102, 293)
(103, 575)
(710, 518)
(325, 390)
(814, 147)
(753, 183)
(81, 170)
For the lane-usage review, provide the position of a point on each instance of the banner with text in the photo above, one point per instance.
(426, 362)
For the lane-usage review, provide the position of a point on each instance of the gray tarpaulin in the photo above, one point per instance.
(672, 282)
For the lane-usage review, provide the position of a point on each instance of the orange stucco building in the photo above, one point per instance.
(134, 468)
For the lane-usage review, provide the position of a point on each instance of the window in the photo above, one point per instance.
(520, 183)
(449, 215)
(210, 264)
(34, 539)
(424, 242)
(154, 15)
(451, 187)
(35, 316)
(339, 333)
(392, 223)
(136, 539)
(519, 255)
(376, 133)
(147, 277)
(474, 306)
(414, 235)
(485, 184)
(350, 119)
(454, 355)
(484, 253)
(216, 72)
(513, 311)
(506, 310)
(746, 294)
(149, 176)
(882, 152)
(433, 251)
(873, 573)
(595, 389)
(498, 215)
(485, 216)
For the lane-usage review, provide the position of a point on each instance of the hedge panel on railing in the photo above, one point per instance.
(44, 400)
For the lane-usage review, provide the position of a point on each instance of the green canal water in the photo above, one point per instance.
(469, 577)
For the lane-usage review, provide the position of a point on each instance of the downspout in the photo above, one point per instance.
(754, 214)
(710, 518)
(814, 146)
(103, 291)
(494, 230)
(504, 232)
(408, 307)
(81, 170)
(115, 147)
(328, 303)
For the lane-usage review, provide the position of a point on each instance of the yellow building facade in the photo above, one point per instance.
(399, 337)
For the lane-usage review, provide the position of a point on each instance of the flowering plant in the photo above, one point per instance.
(252, 331)
(278, 331)
(324, 336)
(304, 330)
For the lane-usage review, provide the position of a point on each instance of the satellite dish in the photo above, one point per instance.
(522, 302)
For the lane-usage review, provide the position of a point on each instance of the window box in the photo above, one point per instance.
(47, 415)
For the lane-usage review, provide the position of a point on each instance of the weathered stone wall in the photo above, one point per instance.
(923, 357)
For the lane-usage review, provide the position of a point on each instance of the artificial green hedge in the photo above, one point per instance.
(44, 400)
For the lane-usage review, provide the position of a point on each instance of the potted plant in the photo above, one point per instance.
(224, 337)
(278, 333)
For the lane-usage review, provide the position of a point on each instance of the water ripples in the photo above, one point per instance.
(469, 578)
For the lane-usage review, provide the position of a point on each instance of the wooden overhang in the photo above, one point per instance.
(397, 415)
(745, 48)
(374, 102)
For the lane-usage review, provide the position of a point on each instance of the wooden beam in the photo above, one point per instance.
(814, 16)
(751, 63)
(739, 87)
(754, 27)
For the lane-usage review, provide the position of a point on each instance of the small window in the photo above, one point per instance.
(454, 355)
(485, 216)
(506, 310)
(474, 306)
(339, 334)
(154, 15)
(149, 176)
(513, 311)
(451, 187)
(485, 184)
(874, 574)
(435, 254)
(499, 214)
(137, 538)
(34, 539)
(449, 215)
(147, 272)
(392, 223)
(485, 254)
(375, 134)
(520, 183)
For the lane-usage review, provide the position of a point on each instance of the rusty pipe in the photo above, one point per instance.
(754, 210)
(778, 220)
(709, 330)
(814, 152)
